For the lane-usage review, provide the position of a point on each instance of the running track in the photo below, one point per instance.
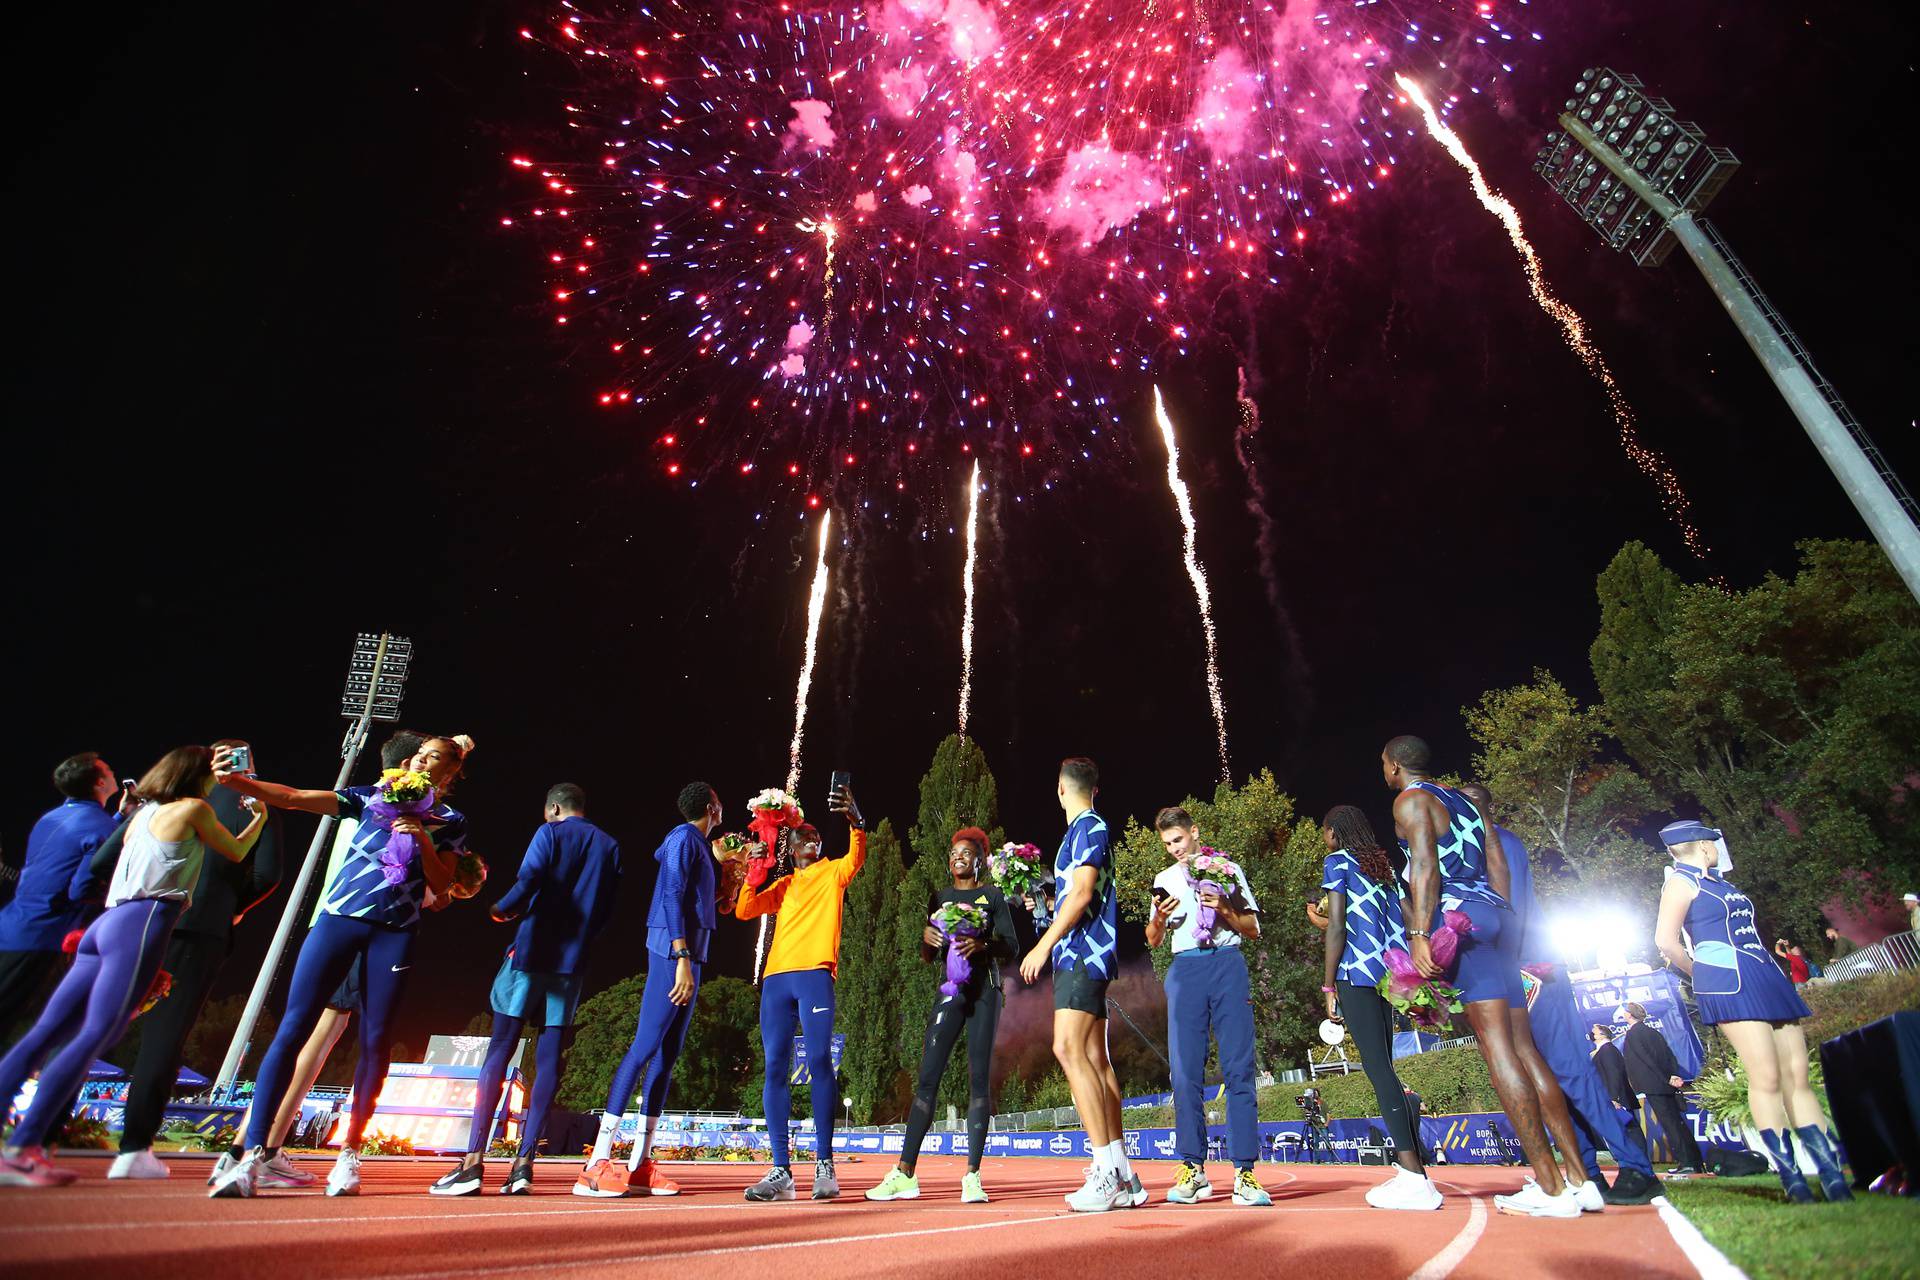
(1319, 1226)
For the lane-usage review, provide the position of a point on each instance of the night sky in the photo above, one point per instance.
(280, 376)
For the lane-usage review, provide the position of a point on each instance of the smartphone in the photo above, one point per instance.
(1159, 894)
(240, 759)
(838, 784)
(128, 784)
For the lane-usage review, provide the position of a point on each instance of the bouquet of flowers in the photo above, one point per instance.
(774, 812)
(956, 920)
(400, 793)
(156, 991)
(730, 850)
(469, 876)
(1206, 870)
(1018, 869)
(1428, 1004)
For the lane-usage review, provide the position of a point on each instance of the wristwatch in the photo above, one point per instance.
(679, 953)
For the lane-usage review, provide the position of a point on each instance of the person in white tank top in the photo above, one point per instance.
(119, 955)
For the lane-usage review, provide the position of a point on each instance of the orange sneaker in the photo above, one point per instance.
(648, 1180)
(602, 1180)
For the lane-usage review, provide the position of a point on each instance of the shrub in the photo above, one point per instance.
(386, 1144)
(84, 1133)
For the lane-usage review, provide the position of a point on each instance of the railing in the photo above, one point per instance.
(1889, 955)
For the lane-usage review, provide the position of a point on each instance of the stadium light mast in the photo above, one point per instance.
(376, 677)
(1638, 176)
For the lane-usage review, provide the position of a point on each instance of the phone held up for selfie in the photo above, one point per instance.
(240, 759)
(838, 784)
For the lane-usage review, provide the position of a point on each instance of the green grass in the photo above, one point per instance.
(1873, 1238)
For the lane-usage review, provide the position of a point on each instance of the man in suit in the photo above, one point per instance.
(1613, 1073)
(1654, 1071)
(201, 941)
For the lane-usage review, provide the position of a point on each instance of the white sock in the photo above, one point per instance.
(1117, 1159)
(1102, 1158)
(603, 1141)
(644, 1143)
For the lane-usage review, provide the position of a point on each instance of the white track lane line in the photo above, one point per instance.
(1707, 1260)
(1443, 1263)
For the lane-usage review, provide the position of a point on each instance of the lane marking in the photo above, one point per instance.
(548, 1265)
(1442, 1264)
(1707, 1260)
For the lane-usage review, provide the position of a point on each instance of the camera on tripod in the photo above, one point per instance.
(1311, 1107)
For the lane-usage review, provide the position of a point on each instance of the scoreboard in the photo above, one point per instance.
(430, 1104)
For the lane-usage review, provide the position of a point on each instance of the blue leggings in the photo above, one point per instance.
(88, 1013)
(658, 1037)
(547, 1058)
(1557, 1034)
(803, 998)
(325, 958)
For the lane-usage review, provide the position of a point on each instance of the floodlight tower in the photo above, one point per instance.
(376, 677)
(1638, 175)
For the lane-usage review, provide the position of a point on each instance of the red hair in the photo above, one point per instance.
(973, 834)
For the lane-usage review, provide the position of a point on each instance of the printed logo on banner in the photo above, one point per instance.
(1061, 1145)
(1028, 1144)
(1132, 1137)
(893, 1142)
(999, 1142)
(1165, 1145)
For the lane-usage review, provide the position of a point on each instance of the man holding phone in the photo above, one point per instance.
(1208, 992)
(797, 988)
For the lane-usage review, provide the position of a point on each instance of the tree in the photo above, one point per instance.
(957, 791)
(212, 1032)
(1540, 754)
(1280, 855)
(866, 994)
(1788, 713)
(604, 1025)
(714, 1064)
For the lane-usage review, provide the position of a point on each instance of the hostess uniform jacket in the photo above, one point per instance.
(809, 903)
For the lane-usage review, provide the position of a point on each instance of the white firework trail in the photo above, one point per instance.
(1672, 496)
(966, 617)
(1184, 501)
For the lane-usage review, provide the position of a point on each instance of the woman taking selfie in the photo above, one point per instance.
(973, 1008)
(120, 953)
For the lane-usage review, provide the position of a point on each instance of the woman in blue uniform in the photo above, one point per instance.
(1741, 991)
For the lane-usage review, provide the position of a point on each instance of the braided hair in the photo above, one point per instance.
(1354, 833)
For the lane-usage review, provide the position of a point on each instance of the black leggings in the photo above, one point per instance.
(978, 1013)
(1370, 1020)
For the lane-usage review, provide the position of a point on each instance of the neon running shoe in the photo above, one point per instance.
(602, 1180)
(1248, 1191)
(1191, 1187)
(971, 1192)
(648, 1180)
(897, 1186)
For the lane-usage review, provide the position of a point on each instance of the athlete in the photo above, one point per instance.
(680, 924)
(1551, 1024)
(1082, 945)
(367, 915)
(119, 955)
(562, 897)
(1363, 923)
(1741, 991)
(797, 990)
(1207, 992)
(1454, 866)
(973, 1008)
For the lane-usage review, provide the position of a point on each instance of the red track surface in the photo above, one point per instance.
(1319, 1226)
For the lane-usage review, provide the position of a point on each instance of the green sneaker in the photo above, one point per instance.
(1247, 1190)
(971, 1192)
(896, 1186)
(1191, 1187)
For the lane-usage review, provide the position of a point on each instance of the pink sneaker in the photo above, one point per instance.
(29, 1167)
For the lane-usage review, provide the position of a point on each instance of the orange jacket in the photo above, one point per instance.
(809, 903)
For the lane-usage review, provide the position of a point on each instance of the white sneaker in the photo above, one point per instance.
(281, 1171)
(1136, 1191)
(344, 1178)
(1531, 1202)
(237, 1182)
(1103, 1191)
(137, 1164)
(220, 1167)
(1405, 1190)
(1587, 1196)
